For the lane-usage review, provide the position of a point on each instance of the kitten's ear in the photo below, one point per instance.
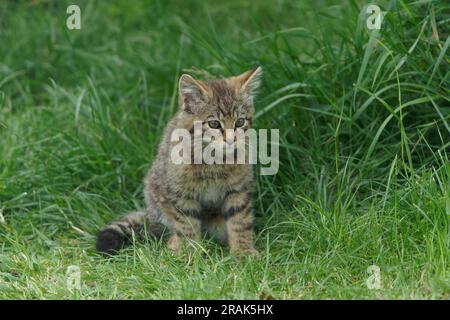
(249, 82)
(192, 91)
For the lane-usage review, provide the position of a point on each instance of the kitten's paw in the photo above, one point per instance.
(246, 252)
(175, 244)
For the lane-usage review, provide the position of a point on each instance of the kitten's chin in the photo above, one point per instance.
(230, 149)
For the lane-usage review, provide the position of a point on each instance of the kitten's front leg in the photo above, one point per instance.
(238, 213)
(185, 224)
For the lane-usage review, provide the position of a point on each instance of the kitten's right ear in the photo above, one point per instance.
(192, 92)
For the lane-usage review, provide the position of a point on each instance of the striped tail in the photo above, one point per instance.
(119, 233)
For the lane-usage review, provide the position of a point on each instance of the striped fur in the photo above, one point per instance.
(186, 200)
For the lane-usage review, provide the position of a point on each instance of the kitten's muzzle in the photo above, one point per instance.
(229, 136)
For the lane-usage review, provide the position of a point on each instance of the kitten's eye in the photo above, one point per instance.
(214, 124)
(239, 122)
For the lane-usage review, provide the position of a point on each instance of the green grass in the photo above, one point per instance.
(365, 139)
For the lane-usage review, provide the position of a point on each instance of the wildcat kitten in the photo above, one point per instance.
(184, 200)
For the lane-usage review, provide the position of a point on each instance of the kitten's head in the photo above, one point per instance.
(224, 104)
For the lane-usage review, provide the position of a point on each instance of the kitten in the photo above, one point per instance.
(185, 200)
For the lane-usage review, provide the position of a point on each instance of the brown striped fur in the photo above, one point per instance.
(186, 200)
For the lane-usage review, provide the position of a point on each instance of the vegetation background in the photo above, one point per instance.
(365, 139)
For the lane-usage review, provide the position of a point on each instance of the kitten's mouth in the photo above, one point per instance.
(221, 145)
(225, 148)
(229, 148)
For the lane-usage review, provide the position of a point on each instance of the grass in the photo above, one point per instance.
(364, 126)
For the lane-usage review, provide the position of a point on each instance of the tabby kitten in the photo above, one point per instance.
(186, 200)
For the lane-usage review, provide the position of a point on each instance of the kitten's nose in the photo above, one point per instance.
(229, 136)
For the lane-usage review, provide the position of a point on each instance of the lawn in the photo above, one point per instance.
(364, 177)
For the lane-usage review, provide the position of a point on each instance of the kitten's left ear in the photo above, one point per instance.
(249, 82)
(192, 92)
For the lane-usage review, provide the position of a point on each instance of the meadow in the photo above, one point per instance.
(363, 189)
